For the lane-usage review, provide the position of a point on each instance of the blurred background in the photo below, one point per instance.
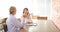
(45, 13)
(36, 7)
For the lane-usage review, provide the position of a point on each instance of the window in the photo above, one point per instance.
(37, 7)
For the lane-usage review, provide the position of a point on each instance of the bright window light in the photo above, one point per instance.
(37, 7)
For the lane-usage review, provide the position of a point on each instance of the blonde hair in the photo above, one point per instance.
(11, 9)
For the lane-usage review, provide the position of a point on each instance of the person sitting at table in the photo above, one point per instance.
(12, 23)
(26, 17)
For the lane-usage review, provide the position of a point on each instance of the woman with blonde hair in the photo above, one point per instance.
(12, 23)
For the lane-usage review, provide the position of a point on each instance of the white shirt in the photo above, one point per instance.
(26, 21)
(13, 24)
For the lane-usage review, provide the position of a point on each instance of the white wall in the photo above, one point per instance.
(37, 7)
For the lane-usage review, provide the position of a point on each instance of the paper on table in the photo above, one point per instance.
(32, 24)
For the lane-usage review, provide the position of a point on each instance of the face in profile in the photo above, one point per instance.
(14, 11)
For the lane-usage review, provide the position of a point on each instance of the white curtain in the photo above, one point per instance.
(36, 7)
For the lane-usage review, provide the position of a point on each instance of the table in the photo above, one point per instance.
(37, 26)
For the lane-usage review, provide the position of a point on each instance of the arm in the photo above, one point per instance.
(16, 22)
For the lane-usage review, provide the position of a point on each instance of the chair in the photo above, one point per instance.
(5, 28)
